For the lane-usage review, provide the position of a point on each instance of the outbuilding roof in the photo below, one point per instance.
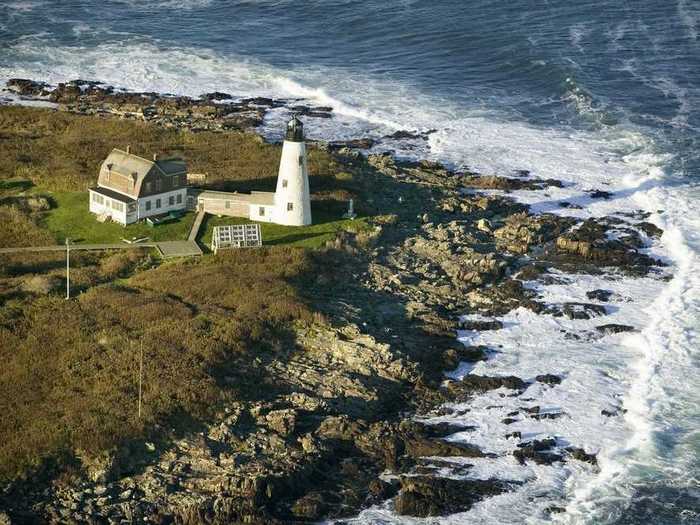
(262, 198)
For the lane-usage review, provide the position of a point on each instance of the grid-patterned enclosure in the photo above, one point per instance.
(236, 236)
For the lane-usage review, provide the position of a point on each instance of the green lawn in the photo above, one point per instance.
(71, 218)
(327, 221)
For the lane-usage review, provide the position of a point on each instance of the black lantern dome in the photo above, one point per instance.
(295, 130)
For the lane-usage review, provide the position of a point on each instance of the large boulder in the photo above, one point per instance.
(424, 496)
(476, 384)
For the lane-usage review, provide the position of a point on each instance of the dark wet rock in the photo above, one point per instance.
(259, 101)
(612, 328)
(475, 384)
(571, 205)
(650, 229)
(509, 421)
(365, 143)
(435, 430)
(216, 95)
(417, 446)
(613, 412)
(514, 435)
(600, 295)
(590, 243)
(539, 451)
(473, 353)
(480, 326)
(539, 444)
(404, 135)
(548, 379)
(546, 415)
(313, 112)
(600, 194)
(553, 509)
(495, 182)
(380, 490)
(421, 440)
(530, 272)
(26, 87)
(582, 310)
(423, 496)
(453, 356)
(581, 455)
(532, 410)
(505, 296)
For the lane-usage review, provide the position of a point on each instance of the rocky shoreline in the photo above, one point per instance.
(341, 429)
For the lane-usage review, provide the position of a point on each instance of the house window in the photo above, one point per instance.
(117, 206)
(179, 198)
(290, 206)
(157, 203)
(227, 205)
(96, 197)
(261, 211)
(149, 187)
(171, 200)
(284, 183)
(159, 185)
(131, 207)
(176, 181)
(148, 205)
(301, 160)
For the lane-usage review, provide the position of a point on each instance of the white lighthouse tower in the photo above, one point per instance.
(292, 200)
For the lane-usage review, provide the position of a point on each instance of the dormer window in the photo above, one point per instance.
(290, 206)
(149, 186)
(158, 185)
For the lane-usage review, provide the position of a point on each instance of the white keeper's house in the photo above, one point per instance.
(131, 188)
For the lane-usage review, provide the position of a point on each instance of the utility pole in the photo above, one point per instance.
(67, 268)
(140, 375)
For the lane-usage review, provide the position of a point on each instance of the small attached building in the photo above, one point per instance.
(131, 188)
(257, 206)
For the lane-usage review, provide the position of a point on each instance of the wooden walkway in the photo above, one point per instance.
(196, 225)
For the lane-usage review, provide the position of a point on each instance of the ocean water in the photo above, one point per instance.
(600, 94)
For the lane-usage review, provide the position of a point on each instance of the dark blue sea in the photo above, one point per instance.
(600, 94)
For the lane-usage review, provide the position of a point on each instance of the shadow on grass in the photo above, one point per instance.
(18, 185)
(288, 239)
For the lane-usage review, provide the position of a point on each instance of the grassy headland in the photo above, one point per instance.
(68, 386)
